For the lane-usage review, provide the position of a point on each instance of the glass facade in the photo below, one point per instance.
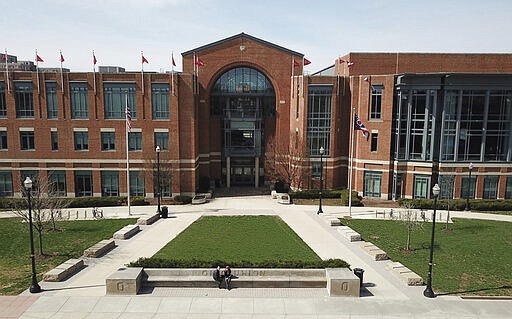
(109, 183)
(83, 183)
(319, 119)
(24, 99)
(51, 100)
(160, 100)
(114, 95)
(372, 184)
(79, 100)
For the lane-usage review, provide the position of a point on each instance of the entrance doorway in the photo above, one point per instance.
(242, 171)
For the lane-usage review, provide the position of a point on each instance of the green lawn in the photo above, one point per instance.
(474, 257)
(70, 242)
(234, 238)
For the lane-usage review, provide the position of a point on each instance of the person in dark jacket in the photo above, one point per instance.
(217, 277)
(227, 277)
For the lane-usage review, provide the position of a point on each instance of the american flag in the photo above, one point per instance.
(128, 117)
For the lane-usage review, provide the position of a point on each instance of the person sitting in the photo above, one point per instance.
(216, 276)
(227, 277)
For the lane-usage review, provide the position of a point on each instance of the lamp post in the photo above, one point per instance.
(34, 287)
(321, 180)
(428, 291)
(158, 177)
(468, 206)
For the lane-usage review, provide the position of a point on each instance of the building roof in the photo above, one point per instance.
(242, 35)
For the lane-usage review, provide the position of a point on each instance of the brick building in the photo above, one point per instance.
(241, 113)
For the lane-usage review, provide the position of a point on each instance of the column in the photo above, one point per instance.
(228, 171)
(257, 170)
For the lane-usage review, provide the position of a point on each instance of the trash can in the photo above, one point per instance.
(164, 212)
(359, 273)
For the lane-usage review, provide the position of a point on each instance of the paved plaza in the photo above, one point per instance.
(384, 295)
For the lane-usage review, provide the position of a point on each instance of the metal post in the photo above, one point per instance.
(321, 180)
(158, 177)
(428, 292)
(34, 287)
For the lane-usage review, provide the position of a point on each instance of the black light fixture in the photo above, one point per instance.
(321, 179)
(468, 206)
(428, 292)
(158, 177)
(34, 287)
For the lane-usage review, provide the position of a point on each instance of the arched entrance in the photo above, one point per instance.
(245, 99)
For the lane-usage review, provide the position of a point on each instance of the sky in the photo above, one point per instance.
(118, 30)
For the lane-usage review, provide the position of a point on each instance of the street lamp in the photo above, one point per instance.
(468, 206)
(158, 176)
(428, 291)
(321, 179)
(34, 287)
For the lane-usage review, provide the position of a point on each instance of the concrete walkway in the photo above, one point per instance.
(385, 296)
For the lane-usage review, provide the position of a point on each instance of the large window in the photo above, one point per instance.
(468, 187)
(3, 105)
(165, 182)
(3, 140)
(81, 141)
(109, 183)
(471, 125)
(108, 141)
(27, 140)
(372, 184)
(5, 184)
(160, 100)
(135, 141)
(499, 120)
(449, 125)
(162, 140)
(51, 100)
(446, 184)
(24, 99)
(491, 187)
(79, 100)
(376, 109)
(115, 100)
(319, 118)
(421, 186)
(55, 140)
(508, 190)
(137, 187)
(57, 183)
(83, 183)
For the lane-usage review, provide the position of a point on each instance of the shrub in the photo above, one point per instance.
(315, 193)
(183, 199)
(356, 199)
(195, 263)
(458, 204)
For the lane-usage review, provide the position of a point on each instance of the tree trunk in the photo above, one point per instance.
(407, 245)
(40, 243)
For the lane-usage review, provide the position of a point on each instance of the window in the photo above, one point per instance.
(109, 183)
(5, 184)
(446, 185)
(165, 182)
(376, 109)
(57, 183)
(83, 183)
(34, 176)
(135, 141)
(79, 100)
(499, 119)
(372, 184)
(491, 187)
(3, 140)
(160, 100)
(81, 141)
(27, 140)
(508, 190)
(55, 140)
(471, 125)
(375, 137)
(108, 141)
(319, 119)
(51, 100)
(137, 184)
(421, 186)
(162, 140)
(315, 170)
(23, 99)
(114, 95)
(3, 105)
(468, 187)
(449, 125)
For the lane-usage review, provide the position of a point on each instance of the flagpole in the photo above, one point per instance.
(172, 72)
(351, 163)
(7, 73)
(94, 70)
(37, 73)
(61, 75)
(127, 156)
(142, 72)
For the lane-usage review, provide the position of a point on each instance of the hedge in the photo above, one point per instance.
(78, 202)
(458, 204)
(315, 193)
(183, 199)
(197, 263)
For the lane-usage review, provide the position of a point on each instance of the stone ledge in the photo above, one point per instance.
(100, 248)
(342, 282)
(64, 270)
(334, 221)
(406, 275)
(148, 220)
(125, 281)
(374, 251)
(127, 232)
(349, 234)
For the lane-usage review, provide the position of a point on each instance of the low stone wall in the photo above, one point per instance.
(64, 270)
(100, 248)
(148, 220)
(127, 232)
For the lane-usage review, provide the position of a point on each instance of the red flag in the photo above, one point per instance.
(173, 63)
(200, 62)
(144, 60)
(349, 64)
(61, 57)
(342, 61)
(4, 57)
(94, 59)
(38, 58)
(295, 63)
(306, 61)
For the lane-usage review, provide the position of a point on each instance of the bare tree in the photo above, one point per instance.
(411, 222)
(166, 170)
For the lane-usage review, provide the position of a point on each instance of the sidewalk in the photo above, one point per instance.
(83, 295)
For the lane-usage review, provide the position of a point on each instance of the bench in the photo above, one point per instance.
(334, 221)
(283, 198)
(199, 199)
(349, 234)
(405, 274)
(148, 220)
(125, 281)
(64, 270)
(100, 248)
(374, 251)
(127, 232)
